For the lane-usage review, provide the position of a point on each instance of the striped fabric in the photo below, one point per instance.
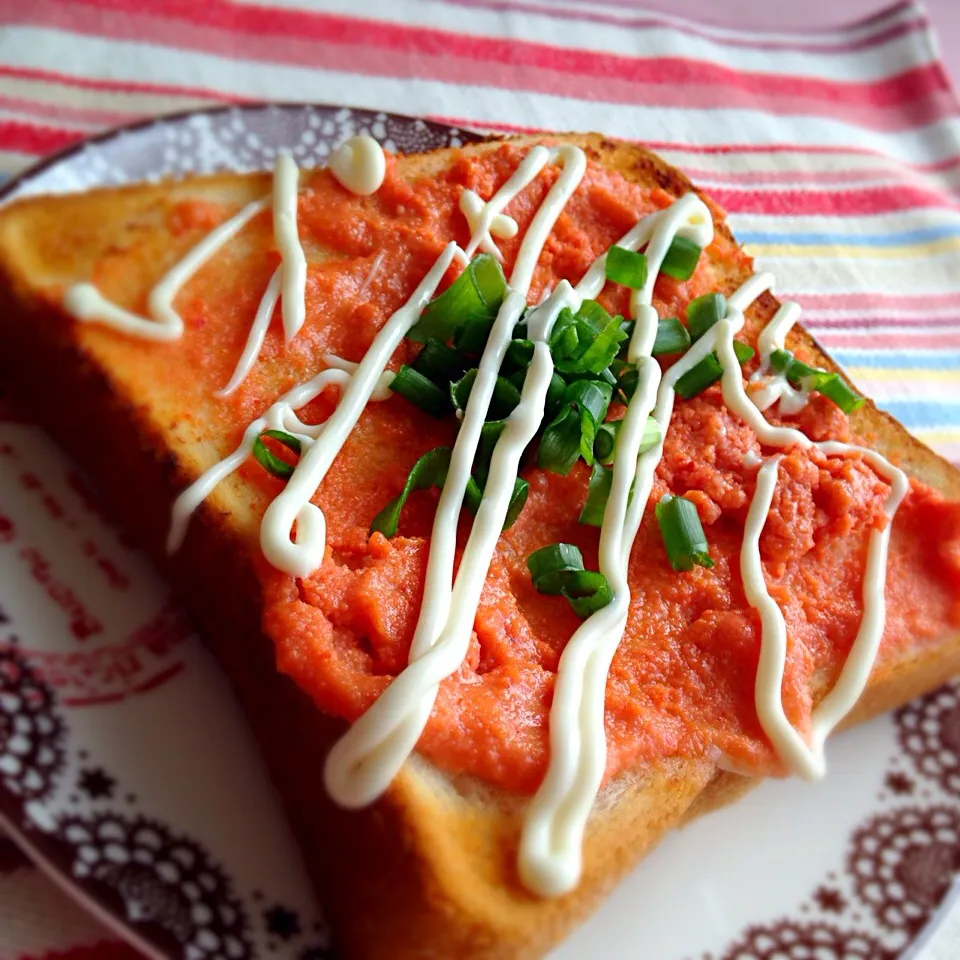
(836, 153)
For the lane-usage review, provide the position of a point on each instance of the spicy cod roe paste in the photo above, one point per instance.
(682, 680)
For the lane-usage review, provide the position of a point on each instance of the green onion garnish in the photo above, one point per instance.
(708, 371)
(834, 388)
(572, 432)
(474, 494)
(505, 395)
(472, 335)
(414, 387)
(477, 292)
(681, 259)
(585, 342)
(269, 460)
(682, 533)
(518, 356)
(627, 376)
(830, 385)
(440, 363)
(672, 337)
(489, 435)
(626, 267)
(598, 493)
(703, 312)
(604, 447)
(554, 398)
(557, 570)
(429, 471)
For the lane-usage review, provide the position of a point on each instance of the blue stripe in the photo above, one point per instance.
(924, 413)
(893, 359)
(903, 239)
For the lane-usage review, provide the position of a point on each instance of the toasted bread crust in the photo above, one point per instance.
(429, 871)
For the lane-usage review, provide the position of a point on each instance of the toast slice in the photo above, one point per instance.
(429, 870)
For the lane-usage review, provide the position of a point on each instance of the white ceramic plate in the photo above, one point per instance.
(126, 768)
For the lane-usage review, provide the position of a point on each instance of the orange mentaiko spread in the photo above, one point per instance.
(682, 680)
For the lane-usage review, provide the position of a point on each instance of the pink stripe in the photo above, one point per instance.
(67, 114)
(872, 299)
(755, 41)
(842, 202)
(798, 175)
(891, 341)
(118, 86)
(351, 45)
(864, 323)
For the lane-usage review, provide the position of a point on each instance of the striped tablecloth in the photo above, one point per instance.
(836, 153)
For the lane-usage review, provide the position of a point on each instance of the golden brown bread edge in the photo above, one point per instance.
(429, 870)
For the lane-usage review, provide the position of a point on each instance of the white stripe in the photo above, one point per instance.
(875, 224)
(920, 276)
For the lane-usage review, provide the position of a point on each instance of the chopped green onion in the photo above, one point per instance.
(604, 447)
(682, 533)
(708, 371)
(830, 385)
(598, 493)
(505, 395)
(560, 444)
(474, 495)
(557, 570)
(572, 432)
(703, 312)
(585, 342)
(429, 471)
(554, 398)
(440, 363)
(489, 435)
(672, 337)
(780, 360)
(519, 354)
(627, 376)
(268, 459)
(471, 337)
(834, 388)
(520, 331)
(681, 259)
(626, 267)
(477, 292)
(414, 387)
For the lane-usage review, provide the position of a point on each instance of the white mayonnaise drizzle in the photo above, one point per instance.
(293, 265)
(359, 165)
(300, 557)
(550, 857)
(366, 759)
(258, 332)
(502, 226)
(86, 303)
(774, 386)
(280, 416)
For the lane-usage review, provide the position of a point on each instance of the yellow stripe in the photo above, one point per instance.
(885, 374)
(937, 434)
(802, 251)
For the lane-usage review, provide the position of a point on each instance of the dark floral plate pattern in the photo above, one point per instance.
(121, 747)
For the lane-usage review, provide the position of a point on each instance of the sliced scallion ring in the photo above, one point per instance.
(557, 570)
(708, 371)
(672, 337)
(626, 267)
(477, 292)
(703, 312)
(422, 392)
(440, 363)
(268, 459)
(681, 259)
(598, 493)
(429, 471)
(505, 395)
(682, 533)
(604, 447)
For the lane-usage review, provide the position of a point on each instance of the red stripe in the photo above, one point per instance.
(876, 300)
(352, 45)
(799, 175)
(94, 700)
(159, 679)
(31, 138)
(842, 202)
(67, 113)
